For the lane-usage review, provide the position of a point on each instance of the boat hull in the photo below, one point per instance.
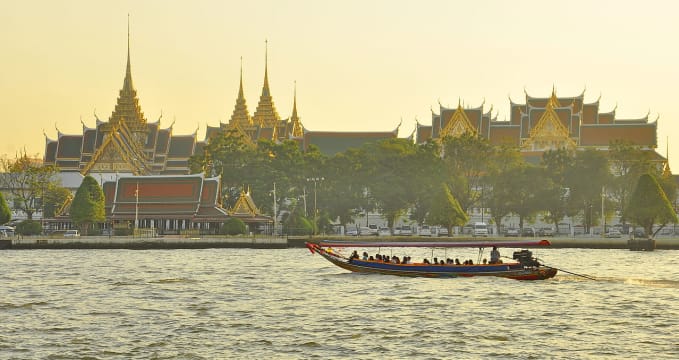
(510, 270)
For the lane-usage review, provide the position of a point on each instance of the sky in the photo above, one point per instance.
(359, 65)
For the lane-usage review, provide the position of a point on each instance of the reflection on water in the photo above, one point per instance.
(236, 303)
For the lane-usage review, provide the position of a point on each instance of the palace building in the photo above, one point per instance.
(129, 144)
(542, 124)
(176, 204)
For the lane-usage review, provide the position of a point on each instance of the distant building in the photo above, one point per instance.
(127, 144)
(542, 124)
(177, 204)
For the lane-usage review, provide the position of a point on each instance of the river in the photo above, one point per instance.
(290, 304)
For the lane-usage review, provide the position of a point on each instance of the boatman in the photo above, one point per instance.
(495, 256)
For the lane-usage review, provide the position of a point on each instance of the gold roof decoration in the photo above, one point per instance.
(127, 106)
(266, 115)
(458, 124)
(297, 130)
(549, 132)
(666, 171)
(245, 206)
(240, 111)
(235, 128)
(118, 153)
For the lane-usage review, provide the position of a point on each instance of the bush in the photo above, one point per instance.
(29, 227)
(233, 226)
(122, 231)
(297, 225)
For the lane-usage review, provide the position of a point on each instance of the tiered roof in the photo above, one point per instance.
(543, 123)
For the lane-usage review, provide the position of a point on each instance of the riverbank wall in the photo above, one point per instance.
(263, 242)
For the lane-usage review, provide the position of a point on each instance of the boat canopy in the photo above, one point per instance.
(434, 244)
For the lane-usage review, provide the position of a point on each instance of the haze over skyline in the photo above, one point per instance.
(359, 65)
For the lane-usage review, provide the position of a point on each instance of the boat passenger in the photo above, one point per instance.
(365, 256)
(354, 255)
(425, 261)
(371, 258)
(441, 262)
(495, 256)
(457, 261)
(436, 261)
(485, 261)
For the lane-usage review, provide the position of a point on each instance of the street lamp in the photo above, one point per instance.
(136, 209)
(315, 180)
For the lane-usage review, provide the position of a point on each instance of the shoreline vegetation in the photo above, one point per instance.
(269, 242)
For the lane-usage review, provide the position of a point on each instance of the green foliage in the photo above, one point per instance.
(27, 180)
(296, 224)
(649, 205)
(88, 204)
(396, 177)
(5, 212)
(29, 227)
(55, 198)
(446, 211)
(467, 158)
(233, 226)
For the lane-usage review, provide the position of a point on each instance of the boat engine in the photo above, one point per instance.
(525, 258)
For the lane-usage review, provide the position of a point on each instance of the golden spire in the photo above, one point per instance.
(294, 119)
(240, 111)
(127, 83)
(265, 114)
(666, 168)
(553, 100)
(127, 106)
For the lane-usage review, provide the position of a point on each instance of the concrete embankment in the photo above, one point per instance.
(135, 243)
(662, 243)
(259, 242)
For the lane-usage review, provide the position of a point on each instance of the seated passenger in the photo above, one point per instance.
(495, 256)
(365, 256)
(425, 261)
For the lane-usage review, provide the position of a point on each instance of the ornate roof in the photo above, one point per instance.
(297, 130)
(240, 111)
(244, 206)
(127, 106)
(266, 114)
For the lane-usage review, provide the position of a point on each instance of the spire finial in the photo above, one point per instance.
(265, 89)
(240, 89)
(127, 83)
(294, 101)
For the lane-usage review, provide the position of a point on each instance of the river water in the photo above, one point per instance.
(290, 304)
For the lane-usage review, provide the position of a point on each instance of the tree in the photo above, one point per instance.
(467, 158)
(390, 165)
(233, 226)
(5, 212)
(29, 227)
(627, 162)
(88, 204)
(499, 194)
(446, 210)
(26, 180)
(586, 180)
(649, 205)
(54, 200)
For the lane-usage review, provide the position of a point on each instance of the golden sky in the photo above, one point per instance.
(359, 65)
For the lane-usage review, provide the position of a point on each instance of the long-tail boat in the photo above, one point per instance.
(522, 266)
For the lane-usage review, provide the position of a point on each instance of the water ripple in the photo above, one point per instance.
(242, 303)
